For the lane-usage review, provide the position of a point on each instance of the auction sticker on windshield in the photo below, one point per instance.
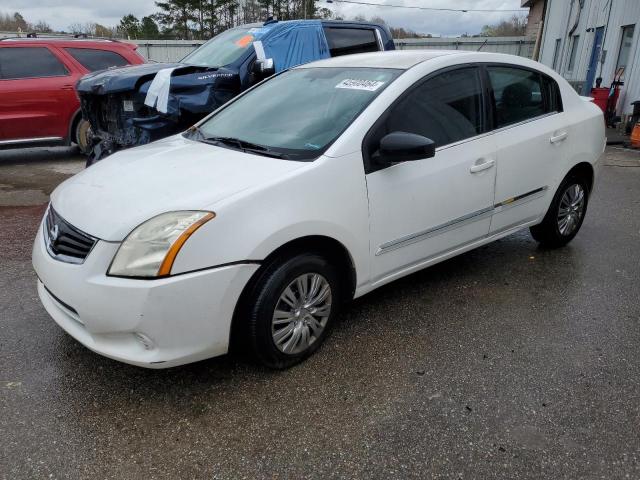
(354, 84)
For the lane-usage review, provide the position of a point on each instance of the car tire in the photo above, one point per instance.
(291, 308)
(565, 215)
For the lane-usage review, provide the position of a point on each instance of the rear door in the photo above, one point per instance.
(348, 40)
(37, 91)
(530, 138)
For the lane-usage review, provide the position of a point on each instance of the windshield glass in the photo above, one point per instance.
(301, 112)
(222, 49)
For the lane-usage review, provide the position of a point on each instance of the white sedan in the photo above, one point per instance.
(317, 186)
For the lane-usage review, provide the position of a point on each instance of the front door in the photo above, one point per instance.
(421, 209)
(593, 61)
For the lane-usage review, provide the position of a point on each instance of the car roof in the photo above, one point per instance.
(401, 59)
(63, 41)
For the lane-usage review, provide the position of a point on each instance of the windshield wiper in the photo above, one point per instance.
(244, 146)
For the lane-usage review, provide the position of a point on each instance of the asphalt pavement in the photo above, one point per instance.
(506, 362)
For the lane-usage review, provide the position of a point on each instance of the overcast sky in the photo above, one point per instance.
(62, 13)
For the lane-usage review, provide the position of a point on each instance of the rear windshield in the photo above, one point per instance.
(222, 49)
(300, 112)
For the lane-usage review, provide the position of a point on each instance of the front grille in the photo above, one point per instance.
(64, 241)
(110, 114)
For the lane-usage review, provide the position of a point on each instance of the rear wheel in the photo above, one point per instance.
(291, 308)
(565, 215)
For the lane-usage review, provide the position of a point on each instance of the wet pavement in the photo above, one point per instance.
(506, 362)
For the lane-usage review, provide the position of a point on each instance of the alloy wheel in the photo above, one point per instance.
(301, 313)
(571, 209)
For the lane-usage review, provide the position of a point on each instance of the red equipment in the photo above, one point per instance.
(607, 98)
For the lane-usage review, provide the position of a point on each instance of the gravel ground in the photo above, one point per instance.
(506, 362)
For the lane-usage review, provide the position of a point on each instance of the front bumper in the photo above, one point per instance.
(150, 323)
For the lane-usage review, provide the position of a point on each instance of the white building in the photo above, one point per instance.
(587, 39)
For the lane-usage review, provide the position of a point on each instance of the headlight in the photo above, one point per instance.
(151, 248)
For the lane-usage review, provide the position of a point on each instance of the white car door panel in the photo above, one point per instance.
(526, 167)
(530, 144)
(422, 208)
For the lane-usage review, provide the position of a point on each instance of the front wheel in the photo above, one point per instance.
(565, 215)
(291, 309)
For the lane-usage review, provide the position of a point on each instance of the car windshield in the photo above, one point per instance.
(222, 49)
(298, 114)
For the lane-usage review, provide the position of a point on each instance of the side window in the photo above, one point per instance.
(93, 59)
(29, 62)
(345, 41)
(553, 97)
(518, 95)
(446, 108)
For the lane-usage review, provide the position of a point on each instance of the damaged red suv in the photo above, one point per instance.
(38, 102)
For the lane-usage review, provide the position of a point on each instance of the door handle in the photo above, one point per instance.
(67, 87)
(482, 164)
(559, 138)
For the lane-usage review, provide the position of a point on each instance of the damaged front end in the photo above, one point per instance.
(129, 106)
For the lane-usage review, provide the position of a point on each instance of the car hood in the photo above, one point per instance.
(112, 197)
(114, 80)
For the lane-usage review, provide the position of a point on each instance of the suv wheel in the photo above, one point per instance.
(82, 136)
(565, 215)
(291, 309)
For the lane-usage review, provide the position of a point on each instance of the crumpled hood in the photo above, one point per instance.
(112, 197)
(114, 80)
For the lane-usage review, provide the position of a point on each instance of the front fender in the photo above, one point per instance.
(327, 198)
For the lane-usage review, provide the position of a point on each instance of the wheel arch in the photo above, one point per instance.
(329, 247)
(583, 169)
(75, 118)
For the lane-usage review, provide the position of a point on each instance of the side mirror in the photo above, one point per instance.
(402, 147)
(264, 68)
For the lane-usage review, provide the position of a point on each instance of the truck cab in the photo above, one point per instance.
(136, 105)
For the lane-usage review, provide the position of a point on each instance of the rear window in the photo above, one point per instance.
(29, 62)
(93, 59)
(345, 41)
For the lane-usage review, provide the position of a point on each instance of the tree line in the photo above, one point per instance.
(17, 23)
(203, 19)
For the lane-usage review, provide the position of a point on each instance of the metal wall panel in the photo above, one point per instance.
(611, 14)
(521, 46)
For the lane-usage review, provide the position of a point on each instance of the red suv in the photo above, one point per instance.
(38, 102)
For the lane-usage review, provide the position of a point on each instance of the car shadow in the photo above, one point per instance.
(15, 156)
(486, 269)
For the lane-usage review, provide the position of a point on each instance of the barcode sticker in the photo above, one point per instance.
(354, 84)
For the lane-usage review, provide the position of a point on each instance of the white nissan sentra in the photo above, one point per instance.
(317, 186)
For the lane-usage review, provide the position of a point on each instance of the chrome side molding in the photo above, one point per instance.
(461, 221)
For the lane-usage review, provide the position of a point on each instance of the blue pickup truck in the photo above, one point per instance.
(135, 105)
